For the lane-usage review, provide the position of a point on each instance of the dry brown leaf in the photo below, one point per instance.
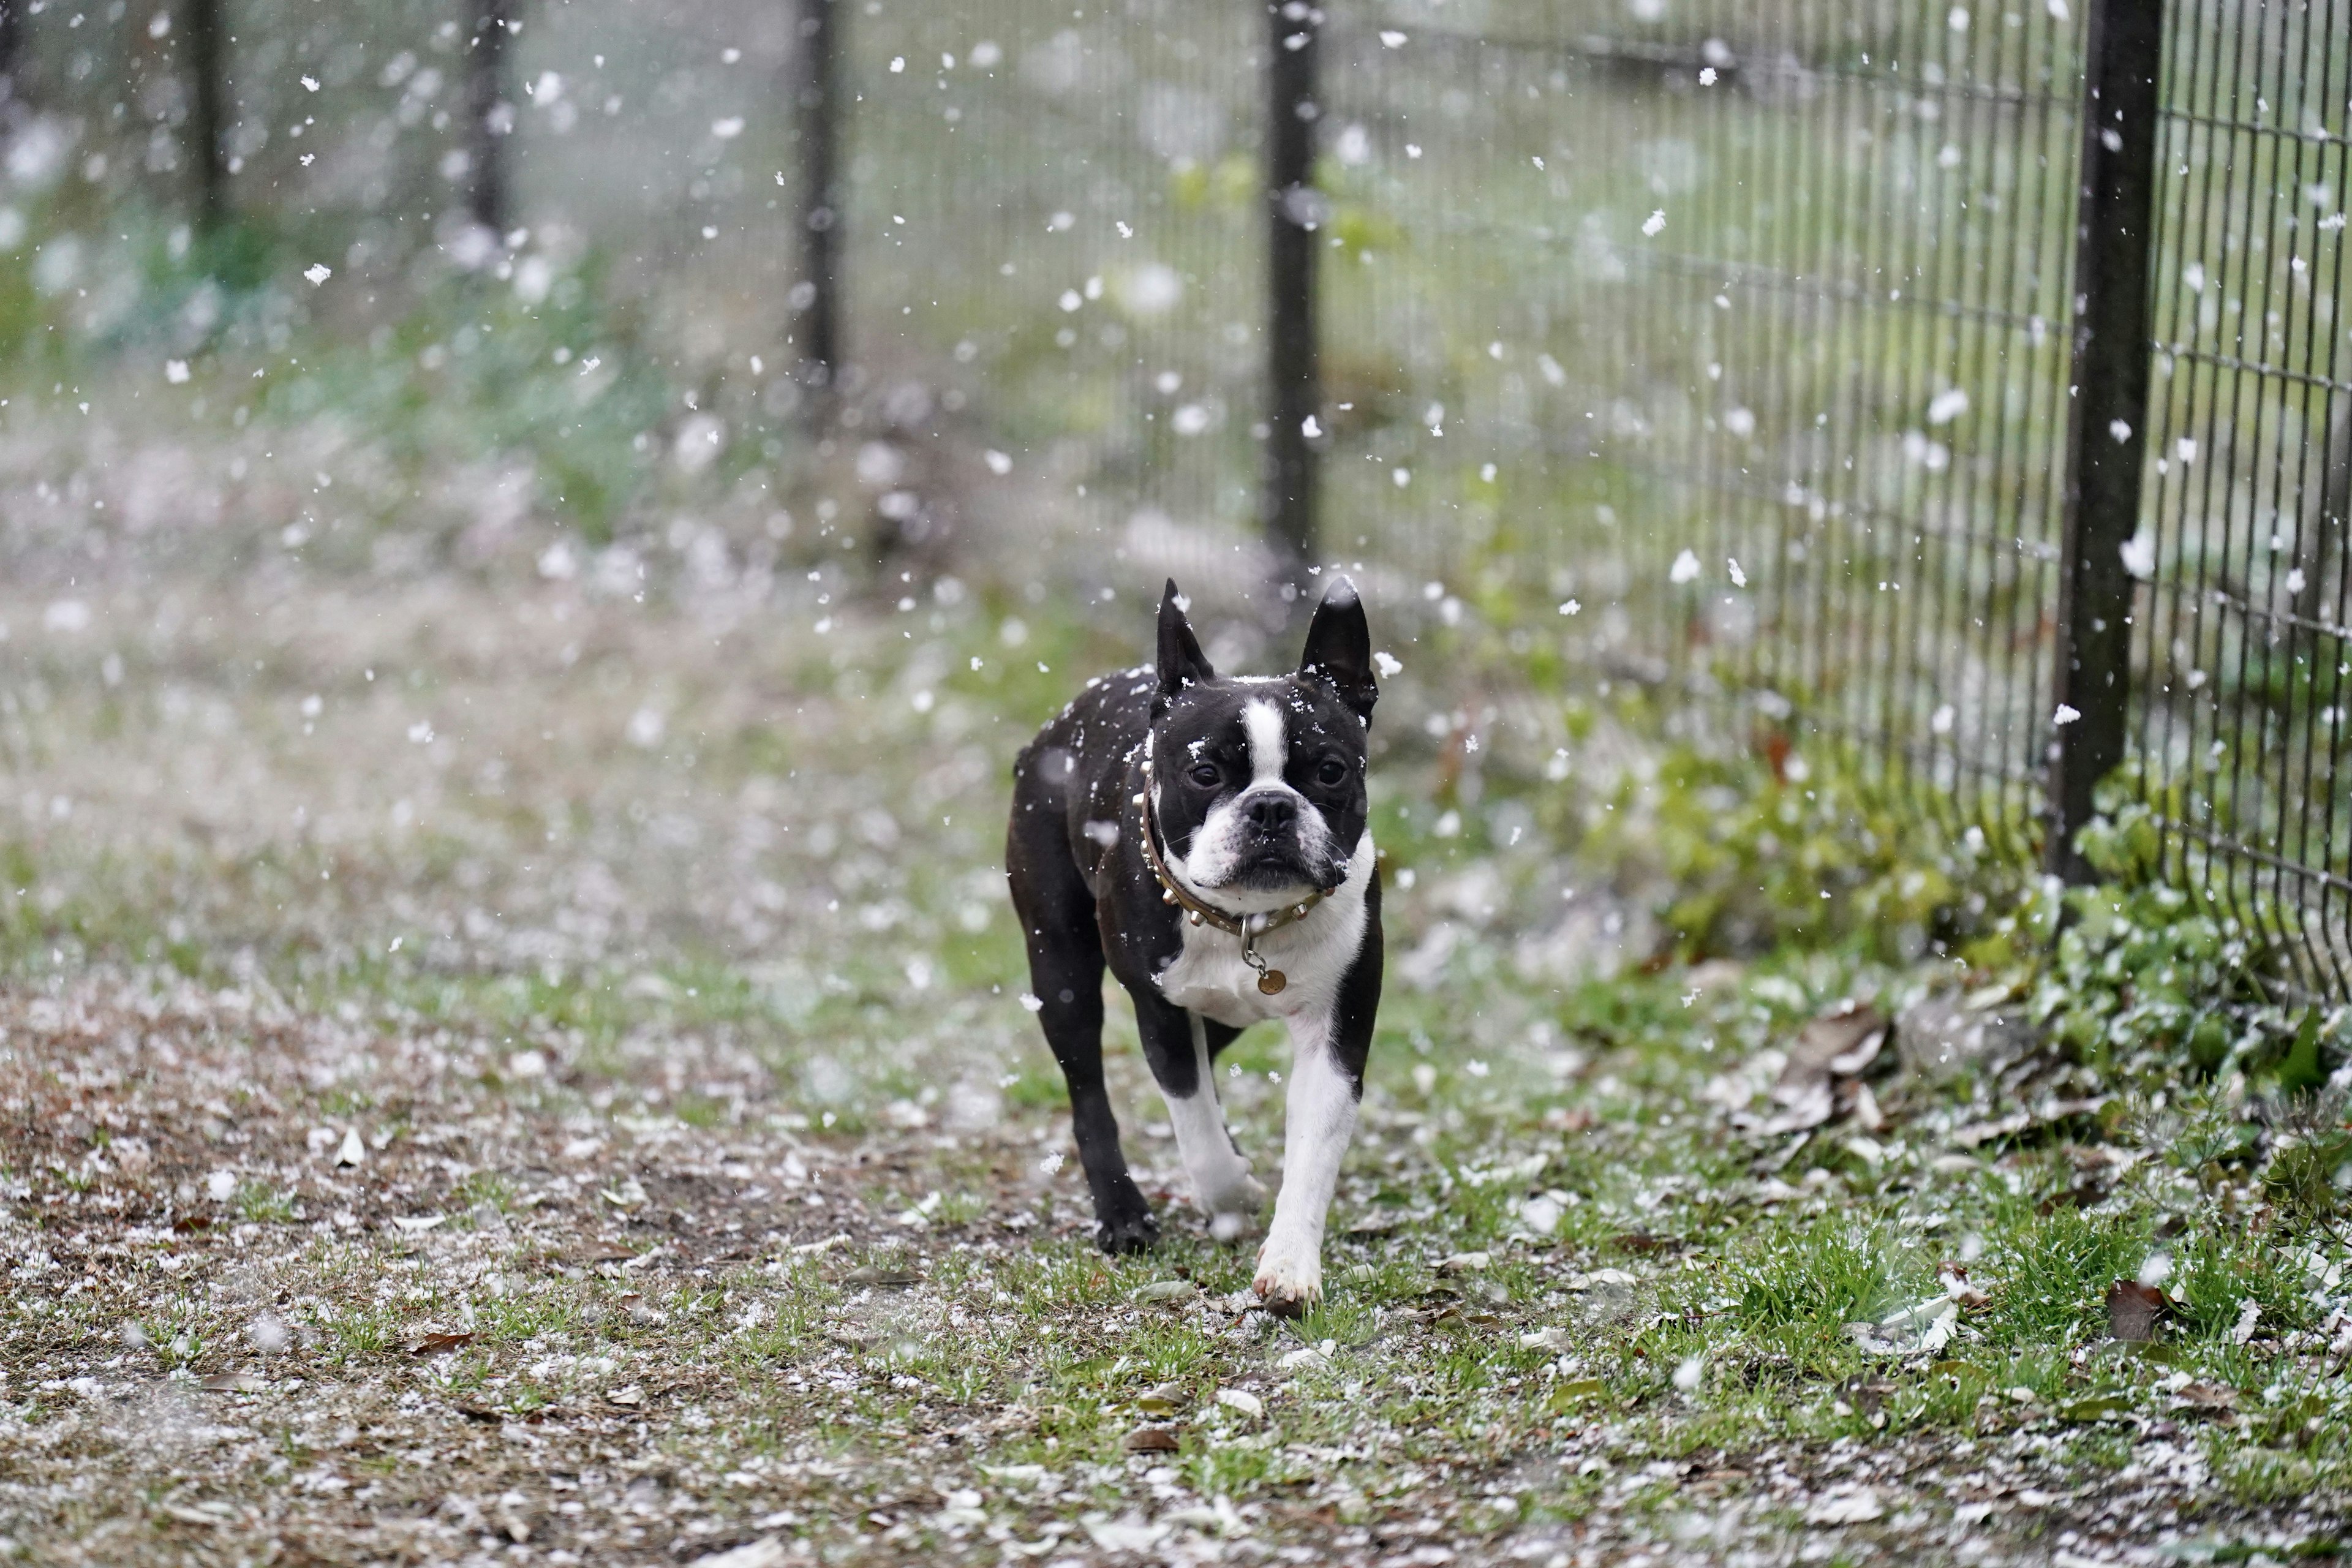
(1841, 1043)
(881, 1279)
(1150, 1440)
(2205, 1396)
(2135, 1311)
(434, 1344)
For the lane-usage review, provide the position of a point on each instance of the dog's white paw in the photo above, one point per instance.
(1232, 1201)
(1287, 1282)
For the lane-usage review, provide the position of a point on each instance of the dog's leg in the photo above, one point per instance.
(1327, 1051)
(1318, 1119)
(1176, 1044)
(1065, 971)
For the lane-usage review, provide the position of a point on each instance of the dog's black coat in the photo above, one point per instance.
(1086, 897)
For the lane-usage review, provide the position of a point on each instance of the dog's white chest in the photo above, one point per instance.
(1210, 976)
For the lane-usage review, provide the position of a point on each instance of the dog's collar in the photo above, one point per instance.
(1249, 928)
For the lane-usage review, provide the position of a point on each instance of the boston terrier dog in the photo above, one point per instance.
(1206, 838)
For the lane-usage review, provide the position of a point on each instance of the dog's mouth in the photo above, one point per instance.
(1273, 865)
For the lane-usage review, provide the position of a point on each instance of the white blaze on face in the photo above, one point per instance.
(1219, 845)
(1269, 742)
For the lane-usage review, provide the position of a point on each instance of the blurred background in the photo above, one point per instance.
(560, 482)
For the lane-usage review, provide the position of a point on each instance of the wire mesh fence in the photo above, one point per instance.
(1765, 337)
(2239, 721)
(1737, 347)
(1785, 347)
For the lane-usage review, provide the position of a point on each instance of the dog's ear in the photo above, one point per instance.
(1340, 648)
(1182, 662)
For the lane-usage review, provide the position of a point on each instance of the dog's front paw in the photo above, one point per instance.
(1136, 1232)
(1286, 1283)
(1234, 1204)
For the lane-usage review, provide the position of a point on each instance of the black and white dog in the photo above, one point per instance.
(1207, 838)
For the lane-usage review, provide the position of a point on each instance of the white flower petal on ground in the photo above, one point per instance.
(2250, 1316)
(1859, 1506)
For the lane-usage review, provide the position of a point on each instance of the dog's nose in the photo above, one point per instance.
(1272, 813)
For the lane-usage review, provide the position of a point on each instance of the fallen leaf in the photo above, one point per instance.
(1150, 1440)
(1841, 1043)
(434, 1344)
(1464, 1263)
(1857, 1507)
(415, 1223)
(768, 1551)
(234, 1383)
(353, 1151)
(1128, 1532)
(881, 1279)
(1976, 1133)
(2205, 1397)
(1239, 1399)
(604, 1252)
(1165, 1399)
(2135, 1311)
(632, 1395)
(2250, 1315)
(1168, 1290)
(1577, 1390)
(1955, 1280)
(811, 1248)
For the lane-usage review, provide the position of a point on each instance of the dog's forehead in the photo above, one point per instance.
(1211, 718)
(1215, 716)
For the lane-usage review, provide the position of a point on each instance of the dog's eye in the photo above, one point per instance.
(1332, 773)
(1206, 775)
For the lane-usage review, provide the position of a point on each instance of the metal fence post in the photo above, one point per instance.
(208, 119)
(12, 58)
(1294, 212)
(488, 117)
(2115, 237)
(817, 298)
